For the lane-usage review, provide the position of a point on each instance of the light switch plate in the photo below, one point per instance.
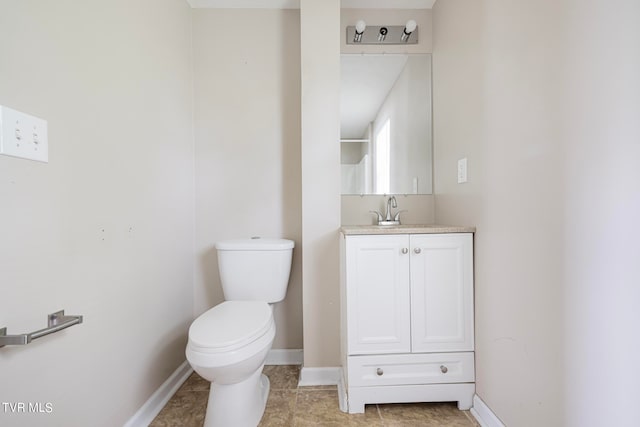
(22, 135)
(462, 171)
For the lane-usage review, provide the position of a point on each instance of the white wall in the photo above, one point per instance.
(540, 97)
(601, 133)
(320, 76)
(247, 132)
(105, 229)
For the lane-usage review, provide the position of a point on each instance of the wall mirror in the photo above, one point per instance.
(385, 124)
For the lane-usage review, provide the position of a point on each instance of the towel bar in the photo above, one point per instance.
(56, 322)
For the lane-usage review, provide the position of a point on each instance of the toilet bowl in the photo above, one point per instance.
(228, 346)
(229, 343)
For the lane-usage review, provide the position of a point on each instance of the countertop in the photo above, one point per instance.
(353, 230)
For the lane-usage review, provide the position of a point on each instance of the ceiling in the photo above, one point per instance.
(295, 4)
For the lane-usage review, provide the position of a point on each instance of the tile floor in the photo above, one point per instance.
(290, 405)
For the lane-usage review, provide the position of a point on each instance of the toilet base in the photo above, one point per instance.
(238, 405)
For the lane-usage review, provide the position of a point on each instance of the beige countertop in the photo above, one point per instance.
(352, 230)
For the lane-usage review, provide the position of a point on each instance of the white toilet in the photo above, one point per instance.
(229, 343)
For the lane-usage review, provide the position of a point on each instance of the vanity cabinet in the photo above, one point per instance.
(407, 318)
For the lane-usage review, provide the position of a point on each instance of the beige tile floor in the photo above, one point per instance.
(290, 405)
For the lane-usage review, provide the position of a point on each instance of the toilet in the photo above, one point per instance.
(228, 344)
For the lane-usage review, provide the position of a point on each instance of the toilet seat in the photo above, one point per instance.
(229, 326)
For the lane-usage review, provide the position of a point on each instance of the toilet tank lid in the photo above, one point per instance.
(255, 244)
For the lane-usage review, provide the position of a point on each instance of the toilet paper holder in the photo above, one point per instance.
(55, 322)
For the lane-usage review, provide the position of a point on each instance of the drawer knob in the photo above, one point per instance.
(417, 250)
(444, 369)
(405, 250)
(379, 371)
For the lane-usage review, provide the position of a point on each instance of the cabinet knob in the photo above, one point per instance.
(417, 250)
(405, 250)
(379, 371)
(444, 369)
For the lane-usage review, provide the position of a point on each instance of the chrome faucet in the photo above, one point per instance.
(391, 203)
(389, 218)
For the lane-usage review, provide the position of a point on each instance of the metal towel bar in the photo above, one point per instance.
(56, 322)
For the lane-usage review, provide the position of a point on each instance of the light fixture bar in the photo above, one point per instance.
(372, 35)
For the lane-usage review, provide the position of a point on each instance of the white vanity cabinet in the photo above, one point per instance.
(407, 318)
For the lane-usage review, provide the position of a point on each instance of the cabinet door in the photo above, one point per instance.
(442, 292)
(377, 278)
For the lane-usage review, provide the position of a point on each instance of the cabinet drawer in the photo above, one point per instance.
(404, 369)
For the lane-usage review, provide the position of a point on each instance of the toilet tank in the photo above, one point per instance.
(255, 269)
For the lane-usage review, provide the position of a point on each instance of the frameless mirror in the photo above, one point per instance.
(385, 124)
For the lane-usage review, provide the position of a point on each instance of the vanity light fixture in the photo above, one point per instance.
(360, 27)
(362, 34)
(408, 29)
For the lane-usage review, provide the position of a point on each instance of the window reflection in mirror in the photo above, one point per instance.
(385, 116)
(382, 142)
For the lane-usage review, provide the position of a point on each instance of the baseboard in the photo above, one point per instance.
(319, 376)
(484, 415)
(284, 357)
(160, 397)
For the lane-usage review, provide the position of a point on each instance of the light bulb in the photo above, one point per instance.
(360, 26)
(410, 27)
